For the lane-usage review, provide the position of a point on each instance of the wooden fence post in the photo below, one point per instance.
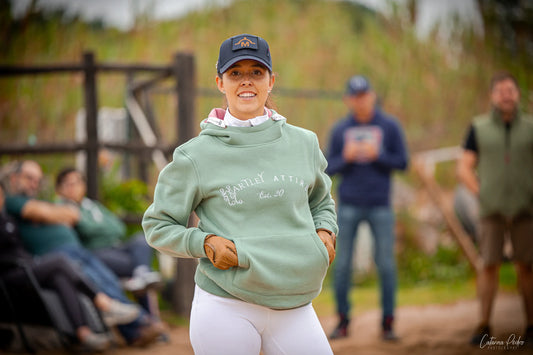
(462, 239)
(91, 124)
(184, 72)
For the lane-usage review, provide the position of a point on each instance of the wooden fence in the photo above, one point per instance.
(182, 71)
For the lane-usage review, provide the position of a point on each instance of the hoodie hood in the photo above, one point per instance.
(266, 132)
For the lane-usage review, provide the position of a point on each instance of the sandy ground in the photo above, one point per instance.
(435, 330)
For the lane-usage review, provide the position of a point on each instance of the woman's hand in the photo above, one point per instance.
(330, 240)
(221, 252)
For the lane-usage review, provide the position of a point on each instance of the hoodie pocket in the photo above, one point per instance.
(280, 265)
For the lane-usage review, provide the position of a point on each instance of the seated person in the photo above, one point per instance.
(104, 234)
(53, 271)
(46, 227)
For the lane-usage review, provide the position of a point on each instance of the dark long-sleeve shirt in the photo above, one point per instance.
(367, 184)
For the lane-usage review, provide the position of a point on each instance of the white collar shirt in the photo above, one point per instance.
(232, 121)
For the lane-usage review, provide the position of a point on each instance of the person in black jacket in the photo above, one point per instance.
(54, 271)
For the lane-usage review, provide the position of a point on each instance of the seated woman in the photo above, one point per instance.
(54, 271)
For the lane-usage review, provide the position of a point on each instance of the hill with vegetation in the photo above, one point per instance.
(433, 88)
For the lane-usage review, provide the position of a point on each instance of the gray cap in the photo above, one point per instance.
(357, 84)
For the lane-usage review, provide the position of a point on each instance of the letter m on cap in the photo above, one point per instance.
(244, 42)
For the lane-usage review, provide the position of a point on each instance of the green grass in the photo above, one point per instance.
(365, 297)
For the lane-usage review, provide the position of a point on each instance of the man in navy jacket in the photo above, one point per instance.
(365, 148)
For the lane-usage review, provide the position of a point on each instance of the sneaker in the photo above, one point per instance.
(120, 313)
(481, 335)
(96, 342)
(152, 279)
(135, 284)
(388, 333)
(342, 328)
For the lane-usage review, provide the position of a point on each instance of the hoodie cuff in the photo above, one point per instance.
(196, 244)
(326, 226)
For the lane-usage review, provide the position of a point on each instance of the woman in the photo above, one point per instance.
(54, 271)
(267, 225)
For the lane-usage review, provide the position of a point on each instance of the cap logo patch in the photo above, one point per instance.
(244, 43)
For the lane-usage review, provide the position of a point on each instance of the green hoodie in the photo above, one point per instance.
(262, 187)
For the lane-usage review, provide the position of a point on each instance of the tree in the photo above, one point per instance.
(510, 23)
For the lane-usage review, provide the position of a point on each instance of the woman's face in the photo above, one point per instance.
(73, 187)
(246, 85)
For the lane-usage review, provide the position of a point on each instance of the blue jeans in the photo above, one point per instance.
(381, 222)
(96, 271)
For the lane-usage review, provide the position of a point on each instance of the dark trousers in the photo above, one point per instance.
(56, 272)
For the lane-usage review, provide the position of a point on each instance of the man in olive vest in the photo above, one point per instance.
(497, 166)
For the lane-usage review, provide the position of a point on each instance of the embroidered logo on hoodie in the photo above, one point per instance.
(276, 189)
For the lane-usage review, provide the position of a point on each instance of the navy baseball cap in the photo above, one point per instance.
(243, 46)
(357, 84)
